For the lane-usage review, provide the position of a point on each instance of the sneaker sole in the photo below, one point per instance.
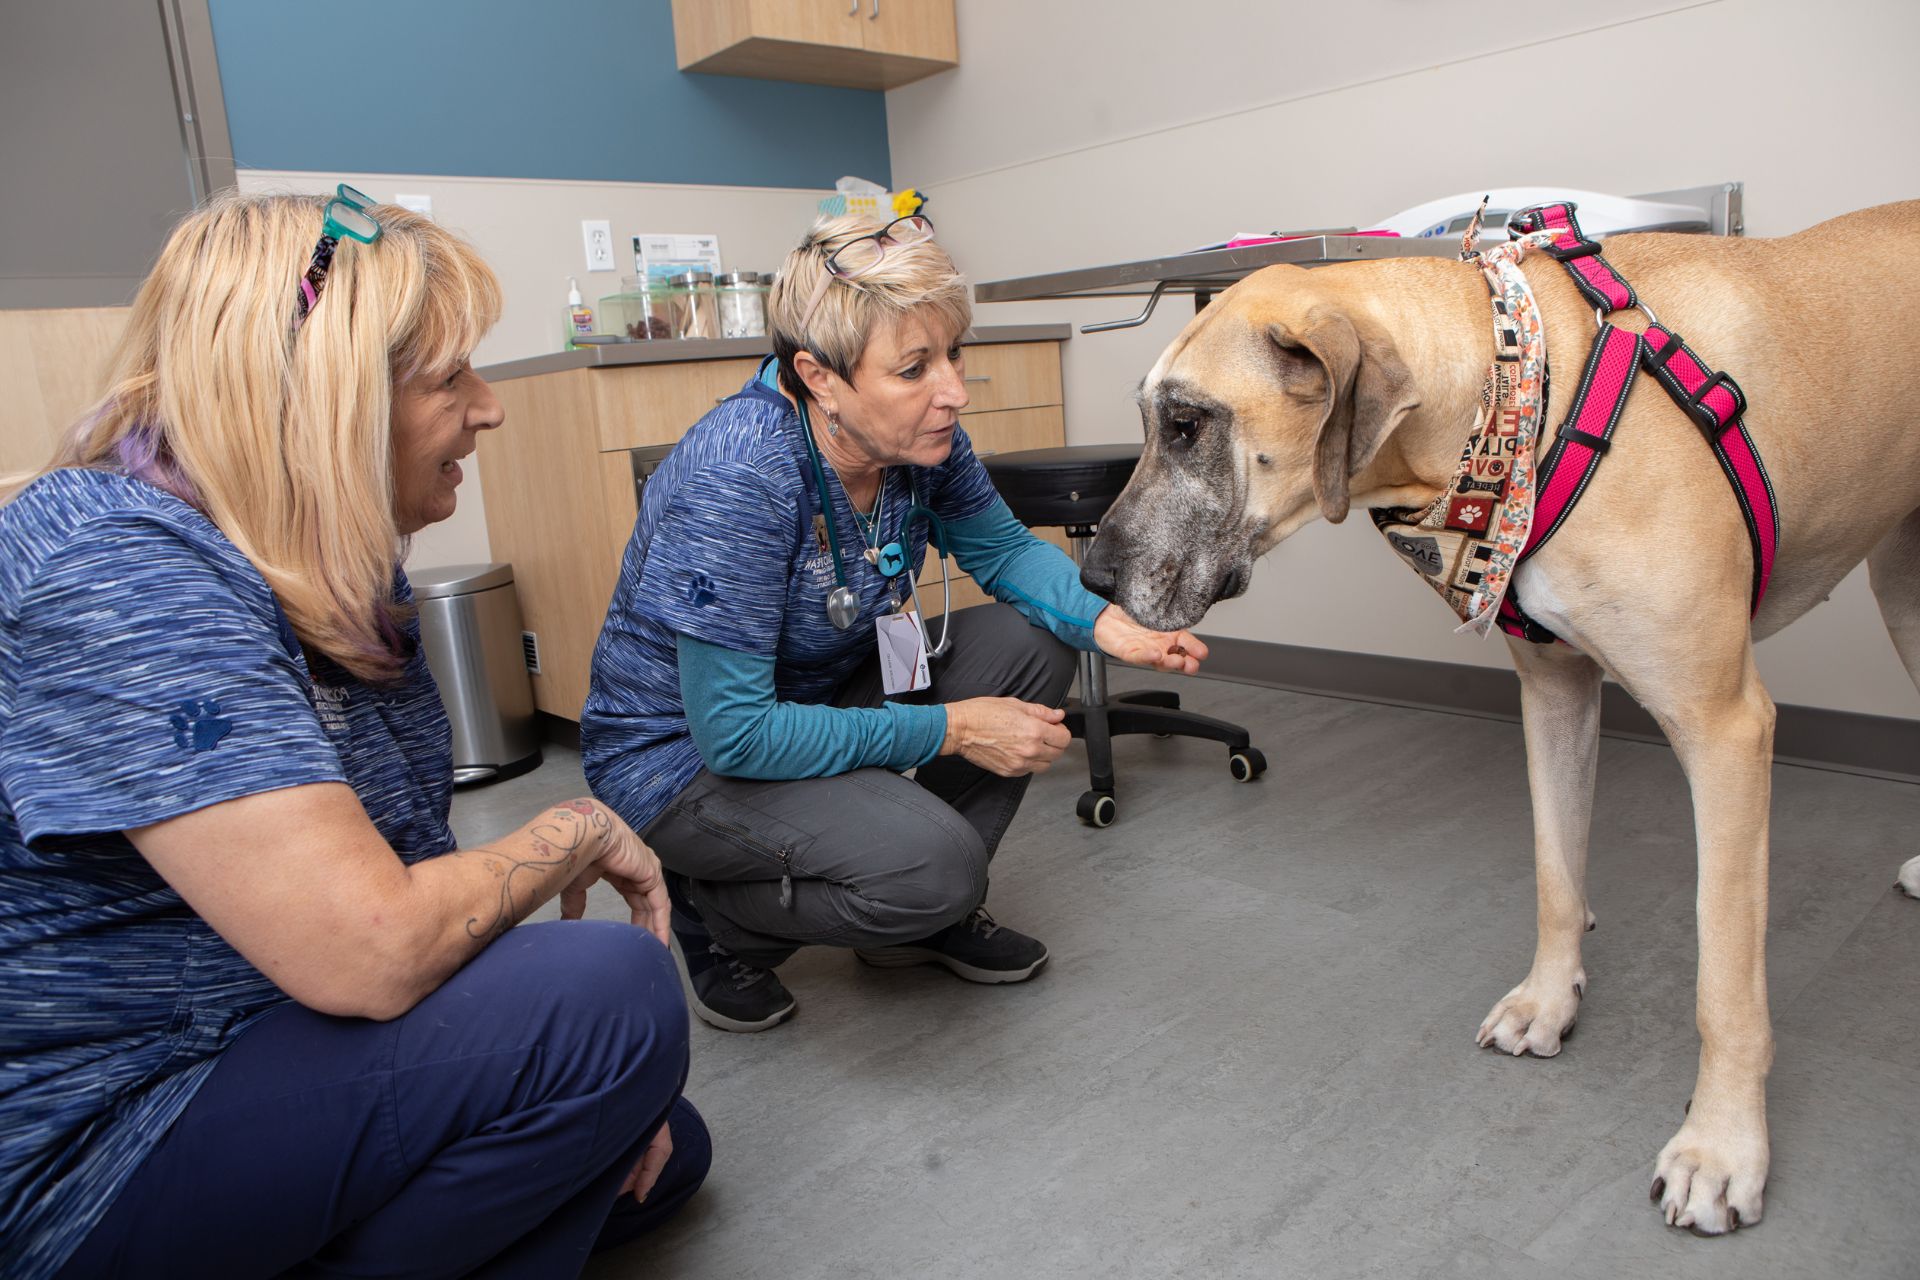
(720, 1021)
(906, 957)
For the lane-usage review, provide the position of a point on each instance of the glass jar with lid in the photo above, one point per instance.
(641, 311)
(743, 304)
(696, 312)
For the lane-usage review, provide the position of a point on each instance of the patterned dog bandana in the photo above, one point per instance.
(1466, 543)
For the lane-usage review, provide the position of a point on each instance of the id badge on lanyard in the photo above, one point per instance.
(903, 653)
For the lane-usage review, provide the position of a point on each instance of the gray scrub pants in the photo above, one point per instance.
(869, 858)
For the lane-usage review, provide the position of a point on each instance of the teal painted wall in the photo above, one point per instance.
(582, 89)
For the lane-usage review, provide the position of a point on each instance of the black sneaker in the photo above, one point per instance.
(975, 948)
(724, 990)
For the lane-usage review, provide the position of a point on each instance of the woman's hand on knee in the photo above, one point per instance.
(1005, 735)
(652, 1161)
(630, 867)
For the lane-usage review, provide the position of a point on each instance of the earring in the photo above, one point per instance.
(833, 424)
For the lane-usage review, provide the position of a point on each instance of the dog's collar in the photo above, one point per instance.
(1468, 541)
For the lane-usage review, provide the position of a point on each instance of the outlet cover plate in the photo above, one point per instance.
(598, 237)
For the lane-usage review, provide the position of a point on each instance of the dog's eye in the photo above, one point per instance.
(1181, 427)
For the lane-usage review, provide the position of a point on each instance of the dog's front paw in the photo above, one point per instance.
(1535, 1016)
(1711, 1177)
(1909, 881)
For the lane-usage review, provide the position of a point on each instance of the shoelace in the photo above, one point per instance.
(982, 923)
(743, 974)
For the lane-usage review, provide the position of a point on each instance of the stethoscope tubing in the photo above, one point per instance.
(840, 605)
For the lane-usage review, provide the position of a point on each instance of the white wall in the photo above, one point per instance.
(1080, 132)
(530, 232)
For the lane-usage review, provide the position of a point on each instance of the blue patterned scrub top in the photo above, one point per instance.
(724, 551)
(147, 671)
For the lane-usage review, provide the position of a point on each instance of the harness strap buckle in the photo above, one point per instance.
(1583, 248)
(1657, 360)
(1708, 420)
(1574, 435)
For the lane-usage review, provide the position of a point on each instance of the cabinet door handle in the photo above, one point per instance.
(855, 11)
(981, 377)
(876, 9)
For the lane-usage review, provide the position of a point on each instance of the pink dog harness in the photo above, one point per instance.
(1712, 399)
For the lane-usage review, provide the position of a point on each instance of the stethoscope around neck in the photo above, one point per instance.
(891, 559)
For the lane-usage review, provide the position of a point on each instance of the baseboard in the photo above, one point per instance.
(558, 730)
(1816, 737)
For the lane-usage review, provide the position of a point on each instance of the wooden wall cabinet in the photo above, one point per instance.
(857, 44)
(561, 493)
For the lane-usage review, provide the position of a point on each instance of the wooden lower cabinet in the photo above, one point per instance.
(561, 495)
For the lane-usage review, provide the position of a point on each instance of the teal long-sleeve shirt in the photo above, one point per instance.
(743, 731)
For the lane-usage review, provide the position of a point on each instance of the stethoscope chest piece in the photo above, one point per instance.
(843, 607)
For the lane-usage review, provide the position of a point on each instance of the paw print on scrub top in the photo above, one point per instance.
(701, 591)
(198, 725)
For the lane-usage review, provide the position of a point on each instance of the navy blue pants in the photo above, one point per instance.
(485, 1132)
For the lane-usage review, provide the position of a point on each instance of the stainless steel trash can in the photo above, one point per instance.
(470, 625)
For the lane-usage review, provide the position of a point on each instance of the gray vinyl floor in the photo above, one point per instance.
(1252, 1053)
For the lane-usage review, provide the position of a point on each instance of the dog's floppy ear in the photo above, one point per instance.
(1369, 391)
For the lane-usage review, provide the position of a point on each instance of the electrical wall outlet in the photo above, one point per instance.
(598, 236)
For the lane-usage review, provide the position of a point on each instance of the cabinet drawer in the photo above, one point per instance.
(641, 404)
(1014, 375)
(1012, 430)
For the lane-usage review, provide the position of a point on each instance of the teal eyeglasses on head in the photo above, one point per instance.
(346, 216)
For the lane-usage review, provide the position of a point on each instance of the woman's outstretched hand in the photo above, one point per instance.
(1120, 637)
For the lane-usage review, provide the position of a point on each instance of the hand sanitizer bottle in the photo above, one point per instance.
(579, 315)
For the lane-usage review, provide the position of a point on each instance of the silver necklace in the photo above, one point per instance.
(871, 524)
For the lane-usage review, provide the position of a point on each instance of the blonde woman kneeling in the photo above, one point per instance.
(257, 1012)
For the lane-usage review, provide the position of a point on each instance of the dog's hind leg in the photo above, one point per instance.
(1560, 706)
(1894, 568)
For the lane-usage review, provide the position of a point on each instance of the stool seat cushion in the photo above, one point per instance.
(1069, 486)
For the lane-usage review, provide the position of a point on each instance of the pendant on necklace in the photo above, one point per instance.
(873, 555)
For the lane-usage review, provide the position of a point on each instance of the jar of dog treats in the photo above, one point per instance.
(641, 311)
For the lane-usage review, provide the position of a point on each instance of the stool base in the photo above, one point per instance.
(1155, 711)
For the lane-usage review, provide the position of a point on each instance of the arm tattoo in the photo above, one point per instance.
(557, 843)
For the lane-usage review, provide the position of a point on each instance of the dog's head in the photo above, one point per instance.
(1258, 417)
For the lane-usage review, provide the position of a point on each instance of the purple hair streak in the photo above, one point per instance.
(145, 456)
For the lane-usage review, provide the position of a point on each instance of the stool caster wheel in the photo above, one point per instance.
(1246, 764)
(1096, 809)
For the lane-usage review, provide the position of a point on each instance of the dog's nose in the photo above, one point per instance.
(1097, 573)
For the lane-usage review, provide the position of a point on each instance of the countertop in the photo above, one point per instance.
(1205, 272)
(667, 351)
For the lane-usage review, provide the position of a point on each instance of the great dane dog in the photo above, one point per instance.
(1300, 394)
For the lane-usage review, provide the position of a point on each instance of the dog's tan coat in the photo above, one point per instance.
(1357, 384)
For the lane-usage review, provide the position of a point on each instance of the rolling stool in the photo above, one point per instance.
(1074, 487)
